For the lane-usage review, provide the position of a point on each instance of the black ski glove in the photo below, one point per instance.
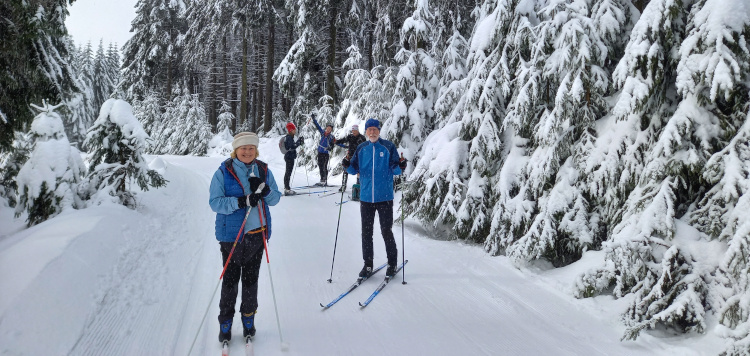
(402, 163)
(345, 162)
(253, 199)
(265, 191)
(255, 183)
(300, 141)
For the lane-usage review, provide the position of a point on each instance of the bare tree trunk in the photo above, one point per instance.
(269, 69)
(225, 60)
(369, 33)
(169, 79)
(331, 60)
(253, 122)
(260, 88)
(212, 89)
(243, 97)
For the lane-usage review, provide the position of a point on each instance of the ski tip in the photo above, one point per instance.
(362, 305)
(323, 306)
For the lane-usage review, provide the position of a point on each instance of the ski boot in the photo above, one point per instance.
(390, 272)
(248, 325)
(366, 271)
(288, 192)
(225, 331)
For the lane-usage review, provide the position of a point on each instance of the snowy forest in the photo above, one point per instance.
(538, 129)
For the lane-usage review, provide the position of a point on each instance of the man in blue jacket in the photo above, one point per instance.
(376, 161)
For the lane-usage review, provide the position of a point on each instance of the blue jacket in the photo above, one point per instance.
(291, 147)
(326, 141)
(376, 163)
(227, 187)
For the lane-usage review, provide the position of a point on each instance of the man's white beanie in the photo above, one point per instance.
(245, 138)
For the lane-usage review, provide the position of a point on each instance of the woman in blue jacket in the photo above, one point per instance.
(376, 161)
(324, 147)
(242, 182)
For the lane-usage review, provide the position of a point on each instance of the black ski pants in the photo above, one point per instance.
(245, 266)
(385, 215)
(323, 166)
(288, 173)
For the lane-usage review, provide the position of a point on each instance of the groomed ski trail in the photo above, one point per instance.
(138, 282)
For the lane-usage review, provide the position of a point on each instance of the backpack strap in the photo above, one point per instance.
(262, 166)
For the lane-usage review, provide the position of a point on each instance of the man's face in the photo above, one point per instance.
(328, 129)
(373, 133)
(355, 132)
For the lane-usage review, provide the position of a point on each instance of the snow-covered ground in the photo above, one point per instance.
(109, 280)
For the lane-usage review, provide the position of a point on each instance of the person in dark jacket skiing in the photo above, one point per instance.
(241, 186)
(291, 154)
(376, 161)
(324, 147)
(352, 140)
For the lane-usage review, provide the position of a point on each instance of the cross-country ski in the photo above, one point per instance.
(356, 284)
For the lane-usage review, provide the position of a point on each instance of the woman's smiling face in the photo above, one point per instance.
(247, 153)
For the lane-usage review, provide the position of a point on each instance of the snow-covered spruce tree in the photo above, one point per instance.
(452, 83)
(225, 119)
(444, 184)
(150, 57)
(185, 129)
(516, 78)
(218, 144)
(452, 187)
(571, 55)
(112, 71)
(352, 109)
(48, 181)
(166, 140)
(291, 74)
(81, 111)
(194, 132)
(102, 82)
(713, 71)
(416, 89)
(734, 314)
(148, 112)
(117, 141)
(34, 62)
(10, 163)
(713, 75)
(665, 170)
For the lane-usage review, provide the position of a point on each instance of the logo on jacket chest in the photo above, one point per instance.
(382, 154)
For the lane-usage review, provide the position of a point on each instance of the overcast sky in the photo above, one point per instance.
(92, 20)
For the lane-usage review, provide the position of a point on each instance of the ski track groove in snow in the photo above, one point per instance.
(147, 293)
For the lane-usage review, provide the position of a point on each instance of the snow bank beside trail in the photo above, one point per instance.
(75, 283)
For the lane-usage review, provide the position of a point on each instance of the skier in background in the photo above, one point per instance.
(290, 155)
(242, 182)
(352, 140)
(377, 161)
(324, 147)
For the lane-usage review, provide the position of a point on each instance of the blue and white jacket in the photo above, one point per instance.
(376, 163)
(326, 141)
(229, 183)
